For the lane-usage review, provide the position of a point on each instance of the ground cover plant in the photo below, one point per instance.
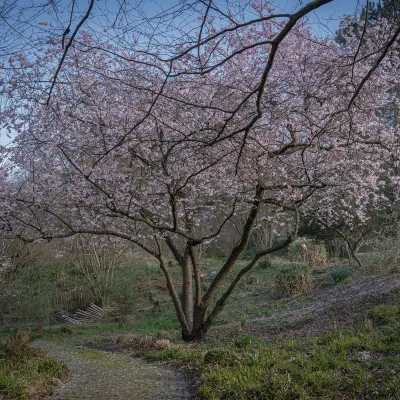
(346, 363)
(26, 373)
(255, 337)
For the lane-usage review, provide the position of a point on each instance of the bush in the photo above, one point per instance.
(308, 251)
(339, 275)
(294, 278)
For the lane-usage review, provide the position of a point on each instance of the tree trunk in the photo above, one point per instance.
(199, 328)
(187, 290)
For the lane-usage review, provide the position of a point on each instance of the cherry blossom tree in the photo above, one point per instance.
(252, 123)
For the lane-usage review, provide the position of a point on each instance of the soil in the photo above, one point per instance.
(329, 309)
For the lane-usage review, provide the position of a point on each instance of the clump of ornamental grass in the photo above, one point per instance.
(309, 251)
(339, 275)
(17, 343)
(294, 278)
(252, 279)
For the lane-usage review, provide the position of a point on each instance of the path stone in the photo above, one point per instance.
(101, 375)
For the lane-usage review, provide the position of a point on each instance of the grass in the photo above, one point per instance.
(93, 333)
(340, 275)
(344, 364)
(249, 301)
(350, 364)
(27, 373)
(294, 278)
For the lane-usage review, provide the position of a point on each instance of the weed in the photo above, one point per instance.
(339, 275)
(252, 279)
(265, 264)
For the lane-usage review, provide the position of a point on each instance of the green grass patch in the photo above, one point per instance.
(384, 314)
(340, 275)
(346, 364)
(149, 322)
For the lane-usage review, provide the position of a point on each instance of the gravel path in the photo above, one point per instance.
(98, 375)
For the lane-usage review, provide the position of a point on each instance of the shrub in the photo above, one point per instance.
(339, 275)
(308, 251)
(294, 278)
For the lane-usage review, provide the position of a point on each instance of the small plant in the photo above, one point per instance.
(252, 279)
(265, 264)
(293, 279)
(339, 275)
(245, 341)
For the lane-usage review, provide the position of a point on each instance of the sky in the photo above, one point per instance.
(324, 20)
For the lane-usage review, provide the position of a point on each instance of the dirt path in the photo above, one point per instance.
(98, 375)
(337, 296)
(338, 306)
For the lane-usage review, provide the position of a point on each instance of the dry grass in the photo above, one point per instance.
(294, 279)
(138, 342)
(314, 254)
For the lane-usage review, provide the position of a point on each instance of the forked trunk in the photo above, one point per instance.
(199, 328)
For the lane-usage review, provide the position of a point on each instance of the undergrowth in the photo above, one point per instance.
(294, 278)
(339, 275)
(26, 373)
(360, 363)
